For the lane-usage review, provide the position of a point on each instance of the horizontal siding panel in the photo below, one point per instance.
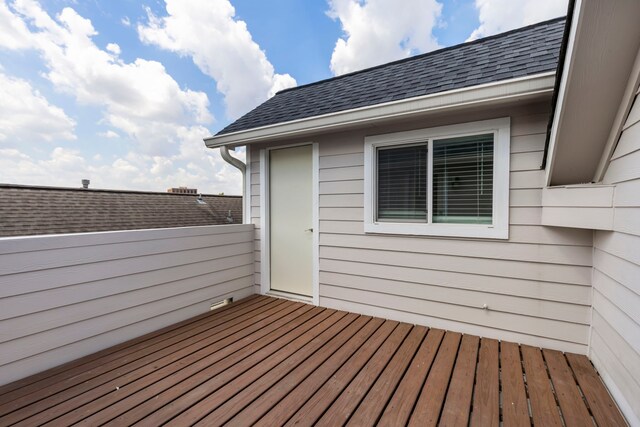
(615, 376)
(342, 174)
(341, 200)
(569, 255)
(32, 364)
(619, 295)
(564, 331)
(525, 198)
(578, 217)
(48, 299)
(342, 143)
(526, 179)
(83, 310)
(547, 291)
(627, 194)
(529, 124)
(255, 189)
(342, 160)
(618, 244)
(10, 245)
(453, 325)
(527, 143)
(48, 279)
(623, 169)
(468, 298)
(355, 186)
(629, 142)
(619, 321)
(594, 196)
(525, 216)
(517, 233)
(627, 220)
(47, 340)
(618, 269)
(495, 267)
(342, 214)
(526, 161)
(42, 260)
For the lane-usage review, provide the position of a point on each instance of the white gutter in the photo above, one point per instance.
(486, 94)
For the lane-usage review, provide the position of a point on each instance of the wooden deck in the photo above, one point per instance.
(269, 362)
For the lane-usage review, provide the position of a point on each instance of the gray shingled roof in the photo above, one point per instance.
(30, 210)
(522, 52)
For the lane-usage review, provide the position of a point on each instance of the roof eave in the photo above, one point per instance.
(481, 95)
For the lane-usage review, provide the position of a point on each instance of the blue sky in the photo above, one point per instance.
(122, 92)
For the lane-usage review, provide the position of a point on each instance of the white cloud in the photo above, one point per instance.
(222, 48)
(379, 31)
(109, 134)
(162, 122)
(125, 21)
(138, 98)
(66, 167)
(26, 116)
(497, 16)
(14, 34)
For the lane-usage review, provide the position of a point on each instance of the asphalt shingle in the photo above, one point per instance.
(30, 210)
(518, 53)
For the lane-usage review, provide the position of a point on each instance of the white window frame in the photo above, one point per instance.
(498, 229)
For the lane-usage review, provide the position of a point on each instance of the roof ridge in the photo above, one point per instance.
(106, 190)
(422, 55)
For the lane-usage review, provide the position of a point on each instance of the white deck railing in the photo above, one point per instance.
(65, 296)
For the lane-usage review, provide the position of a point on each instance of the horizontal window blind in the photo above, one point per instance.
(463, 180)
(402, 183)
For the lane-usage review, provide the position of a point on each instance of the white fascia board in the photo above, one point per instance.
(486, 94)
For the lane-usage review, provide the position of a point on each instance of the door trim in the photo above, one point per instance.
(265, 257)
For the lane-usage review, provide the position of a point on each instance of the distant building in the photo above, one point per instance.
(183, 190)
(32, 210)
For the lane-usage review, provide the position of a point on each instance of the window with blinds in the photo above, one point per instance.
(448, 180)
(402, 183)
(463, 180)
(461, 177)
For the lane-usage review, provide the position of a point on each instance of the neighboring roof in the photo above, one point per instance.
(30, 210)
(522, 52)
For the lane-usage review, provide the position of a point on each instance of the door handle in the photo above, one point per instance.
(309, 230)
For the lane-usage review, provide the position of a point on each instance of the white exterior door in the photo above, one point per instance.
(291, 219)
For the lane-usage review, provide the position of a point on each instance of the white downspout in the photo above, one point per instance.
(237, 163)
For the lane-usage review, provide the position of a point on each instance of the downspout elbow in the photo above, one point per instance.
(224, 152)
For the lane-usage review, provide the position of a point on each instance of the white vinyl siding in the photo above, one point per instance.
(536, 284)
(65, 296)
(615, 334)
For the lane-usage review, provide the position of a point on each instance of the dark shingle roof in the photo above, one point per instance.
(30, 210)
(518, 53)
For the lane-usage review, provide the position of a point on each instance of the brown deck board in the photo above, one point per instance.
(401, 405)
(79, 383)
(266, 361)
(574, 412)
(515, 411)
(321, 400)
(431, 400)
(458, 402)
(345, 404)
(125, 377)
(486, 399)
(301, 377)
(603, 408)
(372, 405)
(543, 404)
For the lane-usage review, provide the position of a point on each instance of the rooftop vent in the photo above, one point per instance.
(85, 183)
